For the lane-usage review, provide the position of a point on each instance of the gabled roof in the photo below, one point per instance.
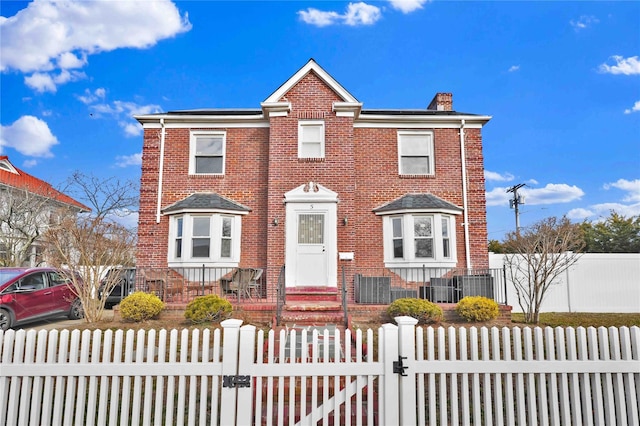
(208, 201)
(13, 177)
(321, 73)
(414, 202)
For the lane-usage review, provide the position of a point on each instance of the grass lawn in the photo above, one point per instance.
(581, 319)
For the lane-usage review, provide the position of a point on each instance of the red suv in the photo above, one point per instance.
(32, 294)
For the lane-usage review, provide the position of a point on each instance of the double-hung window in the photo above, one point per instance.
(415, 153)
(207, 153)
(311, 139)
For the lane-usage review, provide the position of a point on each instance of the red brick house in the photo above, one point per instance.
(314, 181)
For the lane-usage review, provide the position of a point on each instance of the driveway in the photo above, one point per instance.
(59, 323)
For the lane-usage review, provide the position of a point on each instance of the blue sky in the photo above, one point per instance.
(560, 79)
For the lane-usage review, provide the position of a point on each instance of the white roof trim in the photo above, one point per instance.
(324, 76)
(7, 166)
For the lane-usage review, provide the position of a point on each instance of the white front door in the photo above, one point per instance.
(311, 254)
(311, 237)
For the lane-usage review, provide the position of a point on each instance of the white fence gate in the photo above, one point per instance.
(398, 375)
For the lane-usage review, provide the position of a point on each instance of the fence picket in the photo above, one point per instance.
(451, 340)
(630, 388)
(541, 382)
(496, 350)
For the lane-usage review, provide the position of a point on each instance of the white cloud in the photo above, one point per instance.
(356, 14)
(129, 160)
(319, 18)
(583, 22)
(56, 36)
(27, 164)
(632, 187)
(43, 82)
(361, 14)
(626, 66)
(88, 97)
(604, 210)
(122, 111)
(407, 6)
(634, 108)
(514, 68)
(553, 193)
(29, 136)
(579, 214)
(497, 177)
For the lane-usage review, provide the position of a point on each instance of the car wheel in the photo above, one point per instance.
(5, 320)
(76, 311)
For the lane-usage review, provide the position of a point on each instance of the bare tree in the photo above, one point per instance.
(24, 217)
(537, 256)
(109, 196)
(88, 245)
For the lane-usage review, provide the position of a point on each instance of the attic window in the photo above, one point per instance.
(311, 139)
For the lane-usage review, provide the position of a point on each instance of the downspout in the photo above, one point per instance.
(161, 171)
(465, 204)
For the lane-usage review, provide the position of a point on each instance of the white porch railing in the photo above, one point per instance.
(396, 375)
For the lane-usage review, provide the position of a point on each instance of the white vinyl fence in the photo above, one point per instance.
(396, 375)
(607, 282)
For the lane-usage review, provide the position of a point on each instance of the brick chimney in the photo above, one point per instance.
(442, 102)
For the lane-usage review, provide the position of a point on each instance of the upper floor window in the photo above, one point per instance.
(207, 153)
(415, 153)
(311, 139)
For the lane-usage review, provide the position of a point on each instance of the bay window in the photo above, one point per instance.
(416, 239)
(212, 239)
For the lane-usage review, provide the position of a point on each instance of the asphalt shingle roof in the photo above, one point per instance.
(206, 201)
(417, 202)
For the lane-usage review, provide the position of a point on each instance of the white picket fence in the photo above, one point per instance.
(395, 375)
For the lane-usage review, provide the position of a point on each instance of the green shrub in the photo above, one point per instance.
(140, 306)
(210, 308)
(420, 309)
(477, 308)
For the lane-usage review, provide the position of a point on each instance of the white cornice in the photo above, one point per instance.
(413, 121)
(347, 109)
(275, 109)
(202, 121)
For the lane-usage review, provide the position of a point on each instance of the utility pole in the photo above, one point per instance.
(515, 202)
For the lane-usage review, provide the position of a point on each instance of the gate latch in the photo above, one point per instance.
(398, 368)
(236, 381)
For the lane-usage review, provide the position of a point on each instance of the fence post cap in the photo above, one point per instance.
(231, 323)
(405, 320)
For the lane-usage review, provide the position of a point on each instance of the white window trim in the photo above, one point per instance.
(301, 125)
(409, 259)
(215, 224)
(192, 151)
(432, 167)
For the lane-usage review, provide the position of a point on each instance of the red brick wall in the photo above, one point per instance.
(262, 164)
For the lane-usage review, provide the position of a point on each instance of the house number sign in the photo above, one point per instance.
(236, 381)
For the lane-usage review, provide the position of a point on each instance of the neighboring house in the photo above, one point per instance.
(28, 206)
(312, 180)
